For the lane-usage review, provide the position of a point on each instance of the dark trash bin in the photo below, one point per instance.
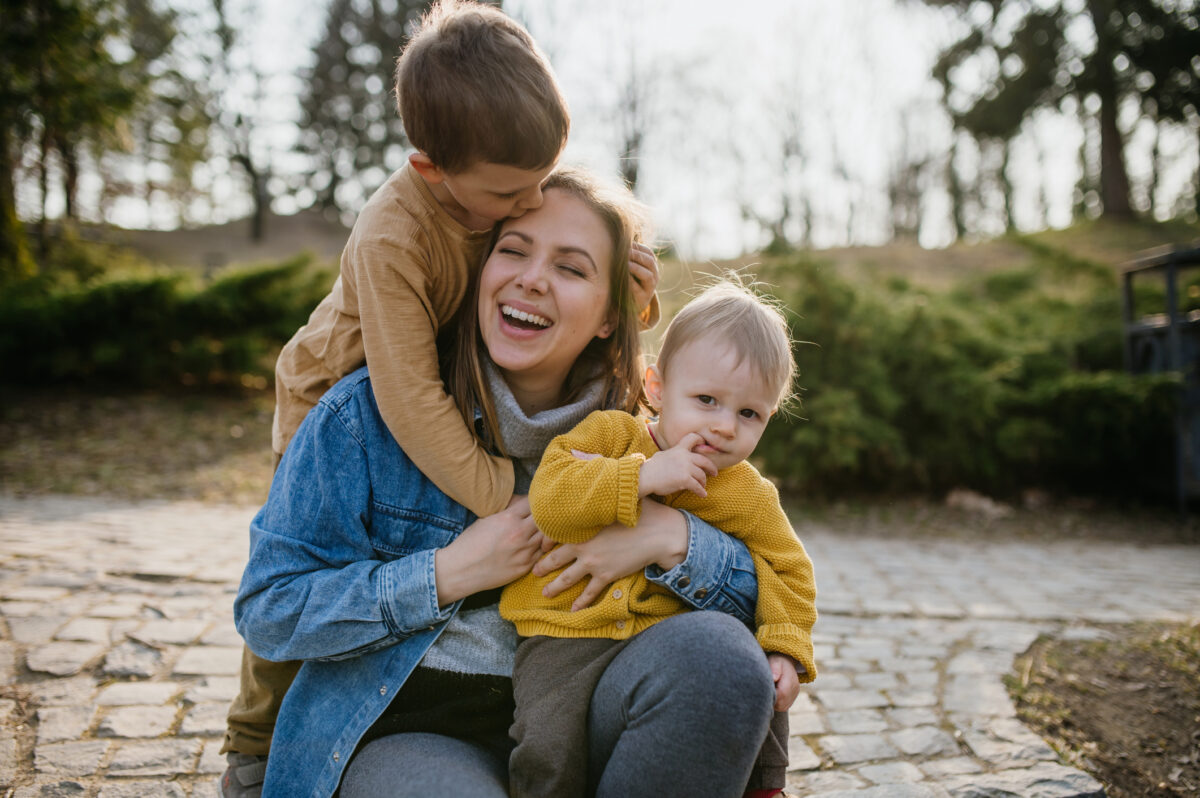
(1167, 339)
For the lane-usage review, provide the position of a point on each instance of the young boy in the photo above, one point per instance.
(482, 108)
(724, 369)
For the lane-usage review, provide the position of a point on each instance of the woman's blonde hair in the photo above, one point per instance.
(617, 359)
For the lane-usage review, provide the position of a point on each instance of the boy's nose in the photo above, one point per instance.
(531, 199)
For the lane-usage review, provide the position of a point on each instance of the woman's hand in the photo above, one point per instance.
(661, 538)
(787, 683)
(489, 553)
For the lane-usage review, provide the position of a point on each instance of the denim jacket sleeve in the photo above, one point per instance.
(315, 585)
(717, 573)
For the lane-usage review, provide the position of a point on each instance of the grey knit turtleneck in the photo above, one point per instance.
(479, 640)
(526, 437)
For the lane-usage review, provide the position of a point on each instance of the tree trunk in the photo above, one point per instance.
(955, 188)
(70, 158)
(258, 191)
(1006, 187)
(44, 187)
(1196, 195)
(1114, 179)
(15, 263)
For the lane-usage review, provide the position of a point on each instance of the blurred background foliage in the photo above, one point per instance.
(997, 378)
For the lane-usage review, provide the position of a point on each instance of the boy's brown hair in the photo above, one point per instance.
(729, 311)
(472, 86)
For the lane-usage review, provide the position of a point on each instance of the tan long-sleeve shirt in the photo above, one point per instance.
(404, 272)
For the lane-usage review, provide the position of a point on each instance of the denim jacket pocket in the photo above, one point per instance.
(400, 531)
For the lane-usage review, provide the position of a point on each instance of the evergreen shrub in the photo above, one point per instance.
(1004, 381)
(139, 326)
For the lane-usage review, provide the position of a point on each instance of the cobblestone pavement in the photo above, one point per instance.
(118, 654)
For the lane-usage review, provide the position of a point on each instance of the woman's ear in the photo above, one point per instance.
(607, 328)
(653, 386)
(431, 172)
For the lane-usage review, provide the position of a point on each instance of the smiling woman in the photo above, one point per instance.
(388, 590)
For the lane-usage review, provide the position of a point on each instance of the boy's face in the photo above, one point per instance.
(711, 393)
(485, 193)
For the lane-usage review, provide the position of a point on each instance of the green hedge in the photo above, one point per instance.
(1007, 380)
(138, 327)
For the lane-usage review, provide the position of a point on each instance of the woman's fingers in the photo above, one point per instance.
(564, 580)
(557, 558)
(591, 592)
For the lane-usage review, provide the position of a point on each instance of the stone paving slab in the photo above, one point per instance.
(118, 656)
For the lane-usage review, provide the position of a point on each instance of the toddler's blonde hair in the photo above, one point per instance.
(732, 312)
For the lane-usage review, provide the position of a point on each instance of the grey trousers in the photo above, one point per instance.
(681, 709)
(679, 704)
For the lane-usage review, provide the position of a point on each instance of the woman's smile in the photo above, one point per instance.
(523, 317)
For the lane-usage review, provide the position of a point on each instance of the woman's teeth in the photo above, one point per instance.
(528, 318)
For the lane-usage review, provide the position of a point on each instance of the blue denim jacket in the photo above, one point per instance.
(341, 575)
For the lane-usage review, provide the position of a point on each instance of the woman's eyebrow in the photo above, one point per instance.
(580, 251)
(516, 233)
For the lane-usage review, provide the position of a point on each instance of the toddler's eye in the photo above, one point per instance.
(748, 413)
(705, 399)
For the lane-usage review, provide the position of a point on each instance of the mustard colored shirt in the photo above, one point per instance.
(572, 499)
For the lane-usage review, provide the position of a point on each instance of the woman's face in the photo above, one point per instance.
(544, 292)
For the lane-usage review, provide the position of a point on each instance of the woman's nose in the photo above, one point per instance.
(533, 276)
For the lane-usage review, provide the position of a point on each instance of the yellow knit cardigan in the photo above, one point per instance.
(572, 499)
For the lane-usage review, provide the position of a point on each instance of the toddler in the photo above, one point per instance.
(724, 369)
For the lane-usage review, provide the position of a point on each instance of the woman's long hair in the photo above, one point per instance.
(616, 359)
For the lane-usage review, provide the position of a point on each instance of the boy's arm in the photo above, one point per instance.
(572, 497)
(399, 333)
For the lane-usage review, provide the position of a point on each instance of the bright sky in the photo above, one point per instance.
(724, 82)
(721, 78)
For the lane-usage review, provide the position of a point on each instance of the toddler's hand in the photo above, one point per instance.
(677, 468)
(787, 683)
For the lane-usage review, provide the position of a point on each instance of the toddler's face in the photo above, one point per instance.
(708, 391)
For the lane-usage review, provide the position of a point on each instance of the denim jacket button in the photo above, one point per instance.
(383, 690)
(701, 593)
(337, 757)
(684, 581)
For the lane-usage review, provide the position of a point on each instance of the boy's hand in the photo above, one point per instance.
(677, 468)
(787, 683)
(643, 274)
